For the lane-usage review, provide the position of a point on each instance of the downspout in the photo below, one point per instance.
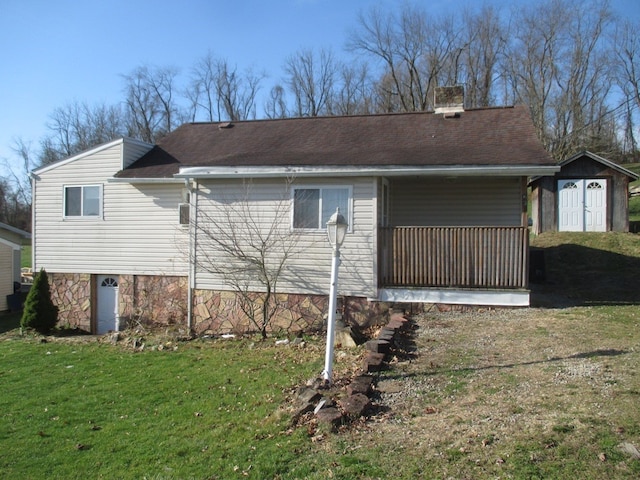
(33, 222)
(193, 205)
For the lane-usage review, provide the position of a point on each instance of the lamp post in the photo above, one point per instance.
(336, 231)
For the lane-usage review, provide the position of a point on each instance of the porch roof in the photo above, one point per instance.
(492, 138)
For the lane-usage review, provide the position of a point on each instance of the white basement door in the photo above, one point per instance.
(582, 205)
(107, 304)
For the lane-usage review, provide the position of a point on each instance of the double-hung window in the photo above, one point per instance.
(83, 201)
(313, 206)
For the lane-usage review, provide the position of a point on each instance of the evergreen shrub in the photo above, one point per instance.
(40, 314)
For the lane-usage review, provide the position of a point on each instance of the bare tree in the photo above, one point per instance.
(247, 245)
(484, 45)
(152, 108)
(78, 126)
(354, 91)
(15, 190)
(559, 68)
(236, 92)
(626, 45)
(311, 78)
(417, 53)
(221, 92)
(276, 106)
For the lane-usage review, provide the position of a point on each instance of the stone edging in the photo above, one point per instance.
(356, 401)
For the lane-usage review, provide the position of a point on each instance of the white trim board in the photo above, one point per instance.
(498, 298)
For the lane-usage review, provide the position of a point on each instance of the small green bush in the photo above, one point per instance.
(40, 314)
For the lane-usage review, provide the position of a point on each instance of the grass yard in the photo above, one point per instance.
(79, 408)
(25, 255)
(537, 393)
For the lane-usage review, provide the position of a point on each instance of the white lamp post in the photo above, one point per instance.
(336, 231)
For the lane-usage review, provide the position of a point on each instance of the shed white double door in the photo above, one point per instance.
(582, 205)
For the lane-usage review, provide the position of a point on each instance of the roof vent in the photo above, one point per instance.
(225, 125)
(449, 100)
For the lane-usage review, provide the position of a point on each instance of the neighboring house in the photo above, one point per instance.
(436, 204)
(11, 241)
(588, 194)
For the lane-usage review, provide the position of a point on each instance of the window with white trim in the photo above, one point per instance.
(83, 201)
(313, 206)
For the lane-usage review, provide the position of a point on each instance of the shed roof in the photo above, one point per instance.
(602, 160)
(479, 137)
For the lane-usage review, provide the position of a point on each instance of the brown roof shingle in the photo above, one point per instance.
(480, 137)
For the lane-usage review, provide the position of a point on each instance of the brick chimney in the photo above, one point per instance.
(449, 100)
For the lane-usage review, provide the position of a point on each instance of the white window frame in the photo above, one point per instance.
(81, 216)
(323, 228)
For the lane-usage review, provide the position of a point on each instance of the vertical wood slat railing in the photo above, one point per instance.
(474, 257)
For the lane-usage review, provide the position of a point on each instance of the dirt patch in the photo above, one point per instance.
(481, 380)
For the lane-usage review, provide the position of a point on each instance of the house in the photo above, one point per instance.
(589, 193)
(11, 241)
(436, 205)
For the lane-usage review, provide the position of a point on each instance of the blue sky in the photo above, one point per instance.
(53, 52)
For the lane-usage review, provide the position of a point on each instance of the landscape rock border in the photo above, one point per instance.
(320, 403)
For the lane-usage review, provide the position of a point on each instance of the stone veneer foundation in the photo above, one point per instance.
(162, 301)
(71, 293)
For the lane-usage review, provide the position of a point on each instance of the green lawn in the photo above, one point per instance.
(78, 407)
(26, 256)
(91, 410)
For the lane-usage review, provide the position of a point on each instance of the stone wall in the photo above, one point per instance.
(162, 301)
(152, 300)
(71, 293)
(218, 312)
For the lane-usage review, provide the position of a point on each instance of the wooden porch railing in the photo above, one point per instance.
(466, 257)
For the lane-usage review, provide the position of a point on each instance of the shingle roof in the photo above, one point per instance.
(479, 137)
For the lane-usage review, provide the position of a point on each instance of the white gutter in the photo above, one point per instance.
(348, 171)
(163, 180)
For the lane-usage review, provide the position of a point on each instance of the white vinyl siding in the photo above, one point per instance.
(138, 232)
(456, 202)
(132, 151)
(6, 274)
(308, 269)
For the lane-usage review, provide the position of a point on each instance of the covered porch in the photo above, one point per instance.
(458, 241)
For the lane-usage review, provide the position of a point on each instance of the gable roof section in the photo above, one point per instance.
(602, 160)
(86, 153)
(14, 235)
(483, 137)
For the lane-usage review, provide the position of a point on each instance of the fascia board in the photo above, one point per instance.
(306, 172)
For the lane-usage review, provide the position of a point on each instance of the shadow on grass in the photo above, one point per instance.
(576, 275)
(464, 370)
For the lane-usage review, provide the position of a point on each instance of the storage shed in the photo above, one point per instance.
(589, 193)
(11, 241)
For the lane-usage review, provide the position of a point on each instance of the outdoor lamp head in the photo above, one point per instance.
(337, 229)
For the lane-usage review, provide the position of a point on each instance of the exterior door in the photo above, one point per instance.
(107, 311)
(582, 205)
(595, 206)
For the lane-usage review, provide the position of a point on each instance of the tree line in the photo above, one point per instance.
(574, 63)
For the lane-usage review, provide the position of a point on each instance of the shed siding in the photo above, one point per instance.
(456, 202)
(546, 194)
(138, 234)
(6, 274)
(308, 269)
